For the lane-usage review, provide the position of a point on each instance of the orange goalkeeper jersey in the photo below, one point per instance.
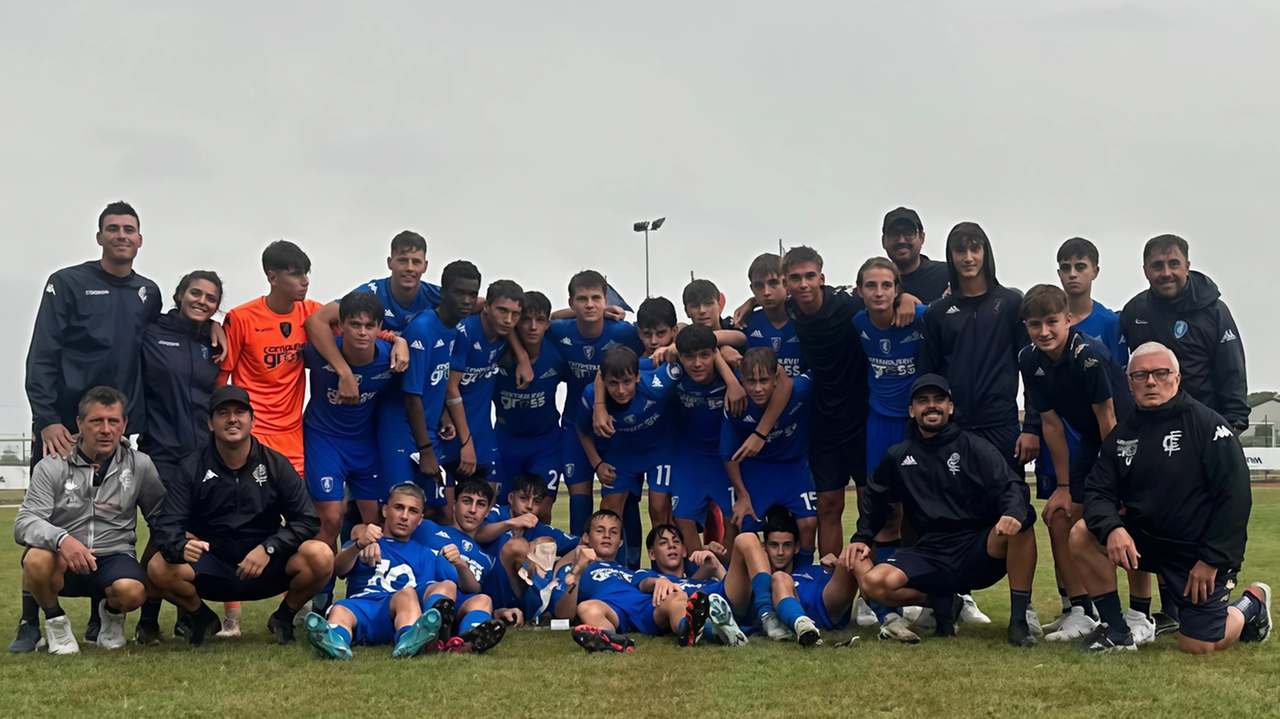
(264, 355)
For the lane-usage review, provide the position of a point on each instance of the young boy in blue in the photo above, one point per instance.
(768, 324)
(808, 598)
(510, 534)
(670, 571)
(389, 579)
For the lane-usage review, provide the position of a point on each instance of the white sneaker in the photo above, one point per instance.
(111, 635)
(865, 617)
(723, 626)
(60, 637)
(920, 616)
(806, 632)
(895, 628)
(1033, 621)
(230, 627)
(1076, 625)
(1056, 624)
(773, 627)
(1141, 626)
(969, 612)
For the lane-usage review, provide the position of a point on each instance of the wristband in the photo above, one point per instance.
(1062, 486)
(451, 402)
(424, 447)
(596, 468)
(763, 438)
(465, 443)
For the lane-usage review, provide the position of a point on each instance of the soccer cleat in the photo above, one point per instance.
(27, 638)
(1258, 629)
(111, 633)
(423, 630)
(447, 610)
(61, 639)
(773, 627)
(1020, 635)
(1141, 627)
(452, 645)
(182, 624)
(322, 636)
(723, 626)
(281, 625)
(1099, 641)
(696, 610)
(920, 616)
(1165, 624)
(865, 617)
(897, 629)
(969, 612)
(230, 628)
(594, 640)
(806, 632)
(91, 630)
(485, 635)
(1056, 624)
(147, 634)
(1033, 622)
(200, 625)
(1076, 625)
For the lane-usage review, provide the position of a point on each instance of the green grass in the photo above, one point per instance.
(537, 673)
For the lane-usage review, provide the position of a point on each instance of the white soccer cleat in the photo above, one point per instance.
(111, 635)
(773, 627)
(969, 612)
(865, 617)
(60, 637)
(1141, 626)
(1033, 622)
(1056, 624)
(806, 632)
(1075, 625)
(230, 628)
(920, 616)
(896, 628)
(723, 626)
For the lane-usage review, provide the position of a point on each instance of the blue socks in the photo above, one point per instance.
(632, 531)
(884, 550)
(342, 632)
(762, 594)
(400, 633)
(579, 511)
(789, 610)
(473, 619)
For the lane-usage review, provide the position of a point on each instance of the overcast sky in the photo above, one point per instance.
(528, 137)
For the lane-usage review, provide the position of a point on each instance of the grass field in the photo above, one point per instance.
(541, 673)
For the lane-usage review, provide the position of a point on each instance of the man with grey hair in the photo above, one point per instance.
(79, 522)
(1170, 495)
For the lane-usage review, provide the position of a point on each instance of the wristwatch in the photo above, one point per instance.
(271, 549)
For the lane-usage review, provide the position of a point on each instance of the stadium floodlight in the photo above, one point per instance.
(645, 226)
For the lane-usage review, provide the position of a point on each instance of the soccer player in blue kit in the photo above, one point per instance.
(892, 354)
(431, 337)
(385, 596)
(808, 598)
(482, 341)
(673, 569)
(582, 343)
(340, 446)
(768, 324)
(779, 473)
(528, 424)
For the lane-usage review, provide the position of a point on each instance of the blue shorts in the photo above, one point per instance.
(395, 443)
(332, 463)
(573, 458)
(1046, 476)
(786, 484)
(809, 592)
(482, 437)
(697, 480)
(882, 433)
(518, 454)
(632, 470)
(373, 619)
(635, 613)
(956, 562)
(1173, 562)
(497, 584)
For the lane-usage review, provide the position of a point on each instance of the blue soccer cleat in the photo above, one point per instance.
(422, 631)
(324, 638)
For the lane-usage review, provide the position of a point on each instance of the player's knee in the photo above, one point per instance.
(1194, 646)
(781, 583)
(746, 540)
(478, 603)
(319, 558)
(129, 594)
(1081, 540)
(41, 563)
(830, 505)
(159, 571)
(446, 588)
(876, 583)
(515, 550)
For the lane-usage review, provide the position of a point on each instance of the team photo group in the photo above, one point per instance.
(386, 465)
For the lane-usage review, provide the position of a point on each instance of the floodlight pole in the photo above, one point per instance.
(644, 227)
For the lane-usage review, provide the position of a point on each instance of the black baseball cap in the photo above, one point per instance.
(930, 381)
(901, 214)
(229, 393)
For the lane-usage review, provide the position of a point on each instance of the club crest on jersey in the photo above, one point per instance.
(953, 462)
(629, 419)
(568, 470)
(126, 478)
(467, 546)
(1179, 329)
(204, 352)
(885, 346)
(49, 288)
(286, 329)
(326, 483)
(588, 351)
(1170, 443)
(996, 308)
(260, 474)
(776, 342)
(142, 293)
(1127, 449)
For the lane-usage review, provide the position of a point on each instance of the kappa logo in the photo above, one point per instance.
(326, 483)
(588, 351)
(438, 344)
(373, 286)
(953, 309)
(1179, 329)
(1228, 336)
(1170, 443)
(417, 345)
(49, 289)
(142, 295)
(1127, 449)
(1090, 363)
(908, 461)
(953, 462)
(776, 342)
(286, 329)
(126, 478)
(566, 341)
(260, 474)
(444, 534)
(885, 346)
(1222, 432)
(208, 475)
(1039, 372)
(756, 334)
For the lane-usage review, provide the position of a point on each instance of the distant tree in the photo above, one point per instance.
(1256, 398)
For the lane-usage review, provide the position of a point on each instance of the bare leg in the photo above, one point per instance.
(830, 516)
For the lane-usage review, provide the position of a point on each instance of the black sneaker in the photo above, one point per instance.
(1020, 635)
(947, 617)
(696, 611)
(202, 623)
(602, 640)
(182, 625)
(1100, 641)
(281, 625)
(485, 635)
(91, 630)
(27, 638)
(1165, 624)
(147, 634)
(1258, 629)
(447, 610)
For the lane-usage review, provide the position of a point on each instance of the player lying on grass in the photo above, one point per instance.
(971, 510)
(806, 598)
(599, 593)
(670, 571)
(387, 589)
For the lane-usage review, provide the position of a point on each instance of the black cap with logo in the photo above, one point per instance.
(229, 393)
(899, 215)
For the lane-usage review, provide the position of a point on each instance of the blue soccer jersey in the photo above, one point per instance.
(430, 356)
(404, 564)
(475, 358)
(760, 332)
(789, 439)
(582, 356)
(646, 424)
(1104, 325)
(565, 542)
(325, 414)
(530, 412)
(687, 584)
(701, 414)
(891, 361)
(605, 581)
(438, 537)
(397, 317)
